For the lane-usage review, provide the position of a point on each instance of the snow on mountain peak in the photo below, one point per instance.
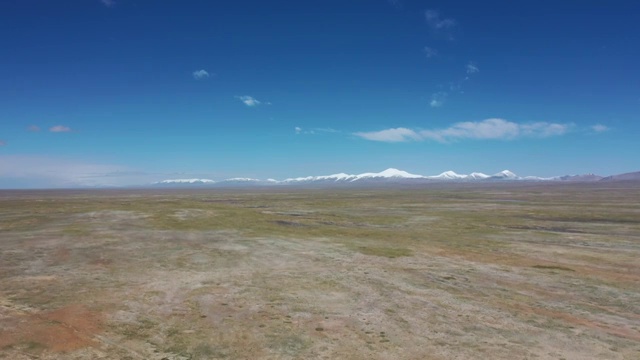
(389, 173)
(505, 174)
(186, 181)
(335, 177)
(478, 175)
(449, 175)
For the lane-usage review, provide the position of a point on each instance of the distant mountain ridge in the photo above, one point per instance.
(584, 177)
(392, 175)
(623, 177)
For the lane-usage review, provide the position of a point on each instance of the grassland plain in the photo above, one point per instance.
(507, 271)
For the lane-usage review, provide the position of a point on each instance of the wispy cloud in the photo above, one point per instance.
(300, 130)
(326, 130)
(472, 68)
(59, 128)
(395, 3)
(251, 101)
(440, 25)
(3, 143)
(436, 21)
(438, 99)
(599, 128)
(200, 74)
(33, 128)
(489, 129)
(108, 3)
(390, 135)
(430, 52)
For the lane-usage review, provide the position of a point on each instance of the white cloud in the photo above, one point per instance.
(430, 52)
(250, 101)
(59, 128)
(544, 129)
(200, 74)
(438, 99)
(108, 3)
(437, 22)
(390, 135)
(298, 129)
(486, 129)
(33, 128)
(599, 128)
(489, 129)
(472, 68)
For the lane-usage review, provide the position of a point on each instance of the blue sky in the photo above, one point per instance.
(126, 92)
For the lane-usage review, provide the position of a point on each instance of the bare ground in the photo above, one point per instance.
(499, 272)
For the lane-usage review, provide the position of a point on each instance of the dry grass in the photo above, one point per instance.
(500, 272)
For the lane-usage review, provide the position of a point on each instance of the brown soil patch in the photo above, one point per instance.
(65, 329)
(61, 255)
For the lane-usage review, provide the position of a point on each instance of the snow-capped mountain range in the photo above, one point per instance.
(185, 181)
(389, 175)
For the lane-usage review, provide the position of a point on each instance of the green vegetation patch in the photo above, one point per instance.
(33, 346)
